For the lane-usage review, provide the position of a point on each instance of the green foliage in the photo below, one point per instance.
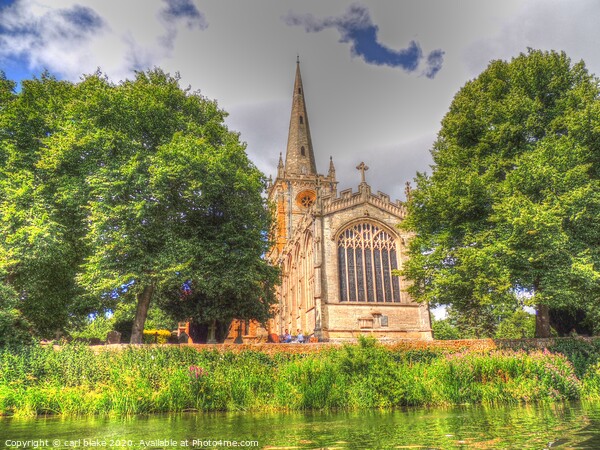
(512, 203)
(484, 322)
(14, 328)
(475, 321)
(41, 226)
(518, 325)
(124, 192)
(444, 330)
(76, 380)
(583, 354)
(99, 325)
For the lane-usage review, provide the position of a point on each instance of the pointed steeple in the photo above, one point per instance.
(280, 167)
(331, 173)
(299, 157)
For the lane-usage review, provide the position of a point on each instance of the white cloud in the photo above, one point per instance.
(243, 54)
(70, 39)
(566, 25)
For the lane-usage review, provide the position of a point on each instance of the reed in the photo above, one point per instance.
(75, 380)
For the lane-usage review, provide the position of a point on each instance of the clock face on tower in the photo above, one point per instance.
(306, 198)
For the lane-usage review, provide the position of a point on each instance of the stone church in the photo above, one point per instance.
(337, 250)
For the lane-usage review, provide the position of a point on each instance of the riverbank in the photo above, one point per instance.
(78, 380)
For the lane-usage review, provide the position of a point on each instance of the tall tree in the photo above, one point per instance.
(41, 225)
(178, 201)
(115, 192)
(512, 206)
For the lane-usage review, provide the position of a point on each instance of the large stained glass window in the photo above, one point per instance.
(366, 258)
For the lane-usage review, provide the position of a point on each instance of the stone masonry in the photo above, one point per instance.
(337, 252)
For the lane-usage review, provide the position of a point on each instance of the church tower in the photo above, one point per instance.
(294, 190)
(338, 253)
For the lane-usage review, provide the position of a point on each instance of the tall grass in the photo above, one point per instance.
(75, 380)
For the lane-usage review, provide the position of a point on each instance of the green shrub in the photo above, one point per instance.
(519, 325)
(444, 330)
(76, 379)
(583, 354)
(14, 328)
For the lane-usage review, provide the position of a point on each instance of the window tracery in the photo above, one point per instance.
(306, 198)
(367, 256)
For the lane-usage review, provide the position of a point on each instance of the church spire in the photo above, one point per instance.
(299, 157)
(331, 173)
(280, 167)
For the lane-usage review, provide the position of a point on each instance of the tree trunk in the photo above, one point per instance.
(141, 312)
(542, 321)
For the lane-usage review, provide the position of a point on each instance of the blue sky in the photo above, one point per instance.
(378, 76)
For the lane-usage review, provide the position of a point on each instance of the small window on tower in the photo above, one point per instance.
(299, 91)
(306, 198)
(301, 119)
(302, 151)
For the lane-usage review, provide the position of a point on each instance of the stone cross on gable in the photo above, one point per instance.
(363, 168)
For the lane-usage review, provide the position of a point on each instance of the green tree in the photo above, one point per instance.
(513, 201)
(41, 222)
(14, 328)
(121, 319)
(178, 201)
(124, 192)
(519, 325)
(475, 321)
(444, 330)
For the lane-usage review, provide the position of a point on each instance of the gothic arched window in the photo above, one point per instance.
(301, 119)
(302, 151)
(366, 257)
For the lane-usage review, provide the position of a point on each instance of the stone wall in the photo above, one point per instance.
(403, 345)
(406, 319)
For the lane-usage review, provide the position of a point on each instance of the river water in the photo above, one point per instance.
(563, 426)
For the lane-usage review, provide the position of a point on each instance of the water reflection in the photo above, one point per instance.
(564, 426)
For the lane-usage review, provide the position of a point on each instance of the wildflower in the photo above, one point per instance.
(197, 372)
